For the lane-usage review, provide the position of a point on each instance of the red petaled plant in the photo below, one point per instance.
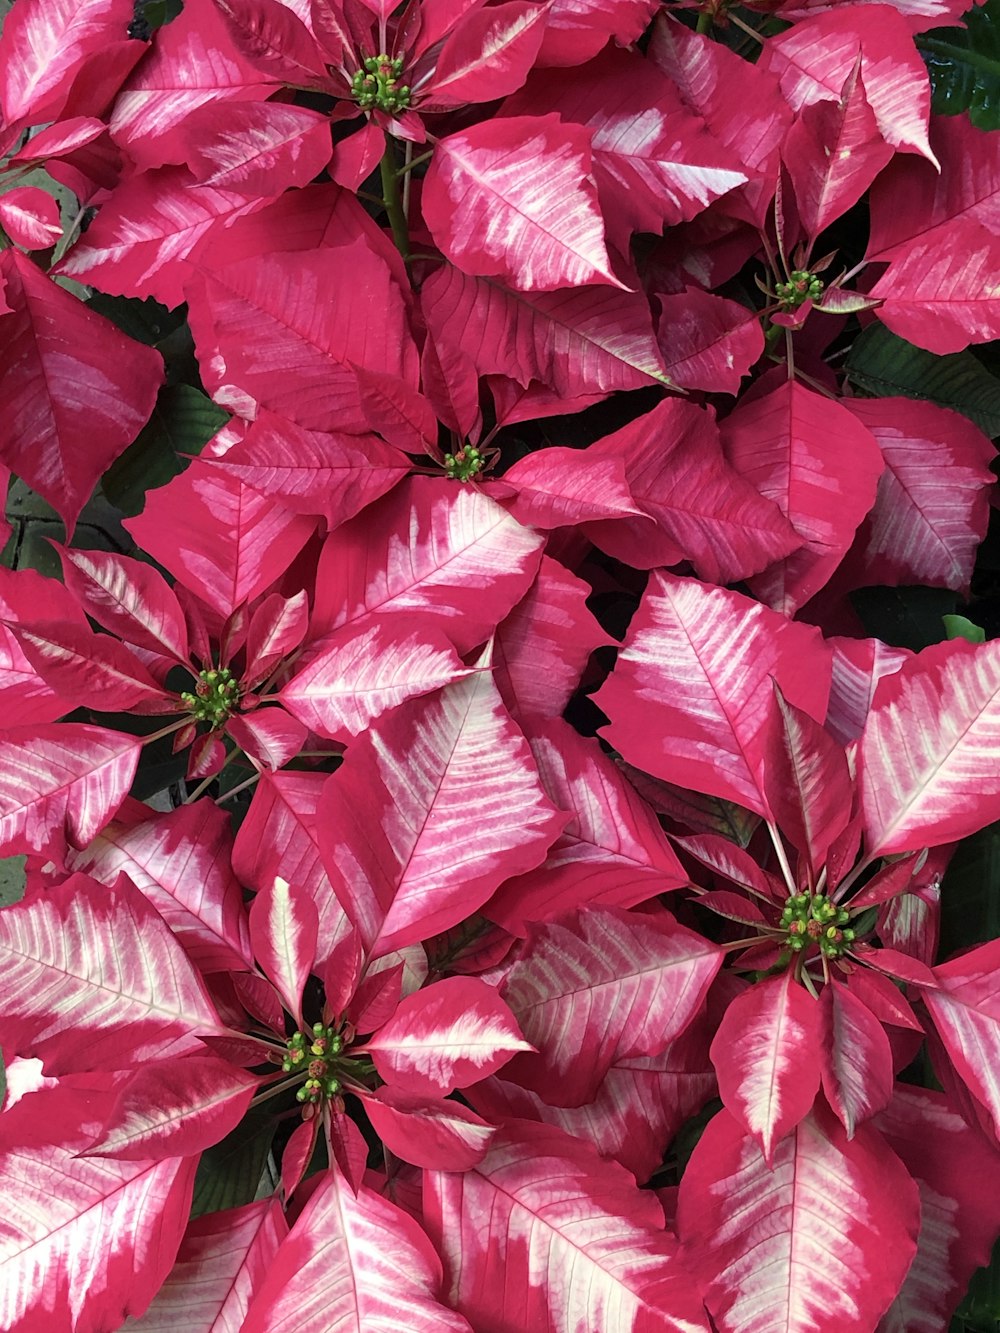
(464, 975)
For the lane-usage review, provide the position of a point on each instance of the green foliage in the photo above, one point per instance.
(905, 617)
(958, 627)
(183, 421)
(964, 66)
(970, 893)
(883, 366)
(232, 1172)
(980, 1311)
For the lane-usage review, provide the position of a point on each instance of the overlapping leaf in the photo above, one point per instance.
(638, 1109)
(958, 1175)
(47, 44)
(612, 853)
(690, 696)
(221, 1262)
(833, 153)
(704, 511)
(219, 537)
(60, 784)
(856, 1058)
(129, 598)
(356, 1263)
(740, 102)
(487, 55)
(357, 673)
(451, 556)
(819, 465)
(939, 291)
(965, 1008)
(654, 163)
(587, 340)
(513, 199)
(103, 1232)
(180, 862)
(923, 528)
(84, 959)
(599, 987)
(280, 836)
(315, 314)
(174, 1108)
(446, 1036)
(708, 342)
(313, 472)
(542, 646)
(819, 1241)
(431, 810)
(75, 391)
(147, 235)
(192, 62)
(928, 757)
(588, 1219)
(814, 58)
(255, 148)
(767, 1057)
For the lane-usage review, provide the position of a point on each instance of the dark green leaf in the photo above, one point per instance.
(232, 1172)
(145, 321)
(980, 1311)
(970, 893)
(36, 524)
(884, 366)
(183, 421)
(904, 617)
(964, 66)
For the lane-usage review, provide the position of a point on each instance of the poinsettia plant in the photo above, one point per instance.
(481, 869)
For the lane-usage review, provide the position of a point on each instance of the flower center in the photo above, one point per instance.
(814, 919)
(464, 465)
(319, 1055)
(377, 85)
(801, 286)
(214, 697)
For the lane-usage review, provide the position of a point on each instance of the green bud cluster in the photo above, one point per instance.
(465, 465)
(316, 1055)
(801, 286)
(814, 919)
(214, 697)
(377, 85)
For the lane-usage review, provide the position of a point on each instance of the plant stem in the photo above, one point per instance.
(705, 21)
(165, 731)
(235, 791)
(786, 869)
(850, 879)
(391, 198)
(276, 1089)
(207, 782)
(412, 162)
(751, 32)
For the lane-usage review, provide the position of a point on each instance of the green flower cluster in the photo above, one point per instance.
(814, 919)
(316, 1056)
(801, 286)
(377, 85)
(214, 698)
(465, 465)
